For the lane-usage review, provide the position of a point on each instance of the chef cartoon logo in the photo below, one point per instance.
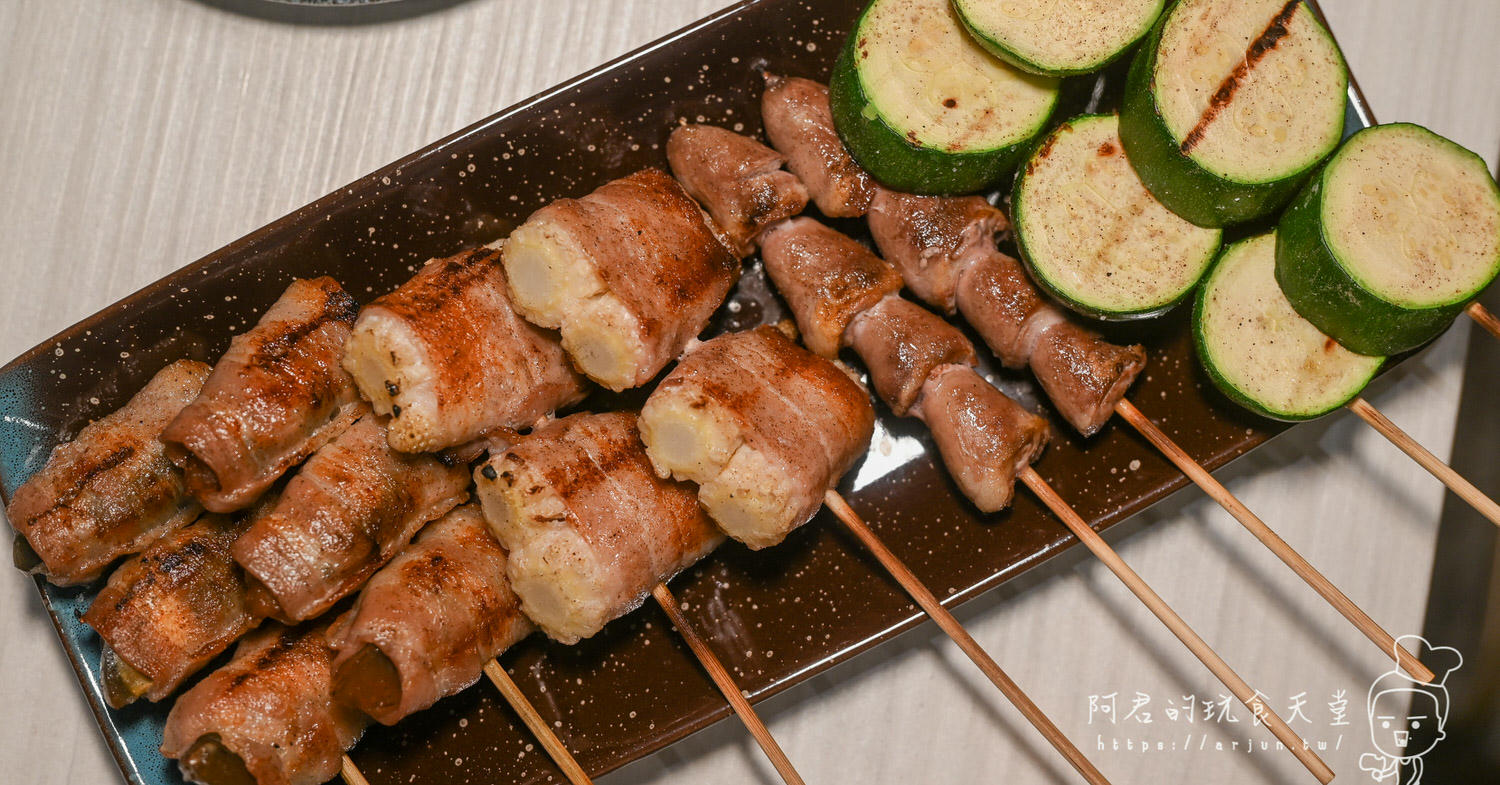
(1400, 706)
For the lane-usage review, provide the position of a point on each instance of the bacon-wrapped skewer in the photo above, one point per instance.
(426, 624)
(111, 491)
(721, 395)
(169, 610)
(352, 507)
(268, 717)
(629, 274)
(592, 531)
(589, 526)
(277, 395)
(763, 447)
(448, 360)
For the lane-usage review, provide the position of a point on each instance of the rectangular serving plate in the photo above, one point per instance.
(778, 617)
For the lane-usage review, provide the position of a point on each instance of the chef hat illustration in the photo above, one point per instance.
(1442, 660)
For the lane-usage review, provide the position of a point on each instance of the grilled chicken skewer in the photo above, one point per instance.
(944, 248)
(985, 427)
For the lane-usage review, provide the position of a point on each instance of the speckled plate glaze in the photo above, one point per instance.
(777, 617)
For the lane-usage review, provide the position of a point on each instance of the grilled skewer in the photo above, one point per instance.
(273, 399)
(974, 413)
(109, 492)
(766, 429)
(929, 236)
(592, 531)
(944, 249)
(448, 360)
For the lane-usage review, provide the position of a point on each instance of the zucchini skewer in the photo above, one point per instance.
(1265, 357)
(1230, 105)
(1396, 235)
(923, 108)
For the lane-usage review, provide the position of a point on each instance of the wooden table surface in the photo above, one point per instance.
(137, 135)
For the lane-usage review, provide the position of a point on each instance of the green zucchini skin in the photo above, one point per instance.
(1209, 363)
(1009, 55)
(1324, 293)
(1176, 180)
(1018, 213)
(893, 160)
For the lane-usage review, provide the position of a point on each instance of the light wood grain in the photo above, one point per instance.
(1174, 622)
(518, 702)
(138, 135)
(1434, 465)
(1484, 318)
(951, 627)
(1269, 538)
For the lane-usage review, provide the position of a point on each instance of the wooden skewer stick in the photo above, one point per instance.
(1273, 541)
(1486, 319)
(726, 685)
(1455, 482)
(351, 772)
(930, 604)
(534, 721)
(1175, 623)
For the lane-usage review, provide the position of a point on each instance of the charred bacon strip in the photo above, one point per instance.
(589, 526)
(352, 507)
(425, 625)
(277, 395)
(763, 426)
(169, 610)
(111, 491)
(268, 717)
(629, 274)
(449, 360)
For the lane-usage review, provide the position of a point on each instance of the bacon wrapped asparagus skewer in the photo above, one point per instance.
(111, 491)
(268, 717)
(425, 625)
(274, 398)
(352, 507)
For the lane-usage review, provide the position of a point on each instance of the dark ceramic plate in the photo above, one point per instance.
(779, 616)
